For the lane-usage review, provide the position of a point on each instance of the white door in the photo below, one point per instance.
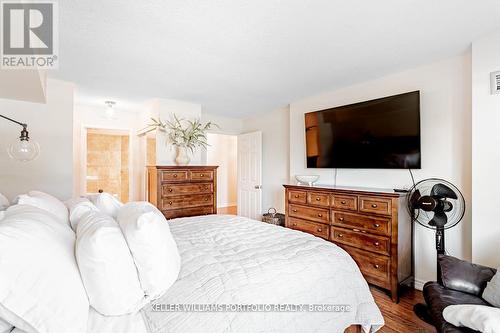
(250, 175)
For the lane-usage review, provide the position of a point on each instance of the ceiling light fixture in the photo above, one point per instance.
(110, 112)
(23, 149)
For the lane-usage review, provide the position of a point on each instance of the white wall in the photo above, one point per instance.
(222, 151)
(50, 124)
(485, 152)
(275, 155)
(446, 143)
(86, 116)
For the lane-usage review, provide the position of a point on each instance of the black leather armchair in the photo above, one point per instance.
(461, 282)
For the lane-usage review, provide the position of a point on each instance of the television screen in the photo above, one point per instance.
(380, 134)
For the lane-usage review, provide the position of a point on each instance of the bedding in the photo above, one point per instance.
(77, 209)
(235, 260)
(481, 318)
(46, 202)
(40, 286)
(152, 246)
(106, 266)
(4, 202)
(106, 203)
(491, 293)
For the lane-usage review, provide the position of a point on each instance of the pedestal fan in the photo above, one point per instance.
(438, 205)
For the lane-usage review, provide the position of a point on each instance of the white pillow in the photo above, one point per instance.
(492, 291)
(77, 208)
(106, 203)
(152, 246)
(46, 202)
(41, 289)
(482, 318)
(4, 203)
(106, 266)
(5, 327)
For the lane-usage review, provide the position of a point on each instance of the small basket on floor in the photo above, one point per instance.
(272, 217)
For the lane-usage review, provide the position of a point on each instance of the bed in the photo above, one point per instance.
(229, 260)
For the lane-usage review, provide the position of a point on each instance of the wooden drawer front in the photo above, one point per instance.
(196, 211)
(347, 202)
(315, 214)
(202, 175)
(318, 199)
(376, 225)
(375, 268)
(375, 205)
(187, 201)
(179, 189)
(316, 229)
(297, 197)
(174, 176)
(378, 244)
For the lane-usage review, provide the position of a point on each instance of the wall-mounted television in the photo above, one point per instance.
(382, 133)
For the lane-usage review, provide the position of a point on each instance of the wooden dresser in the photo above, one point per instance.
(371, 225)
(180, 191)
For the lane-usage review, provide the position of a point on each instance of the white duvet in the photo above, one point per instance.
(234, 260)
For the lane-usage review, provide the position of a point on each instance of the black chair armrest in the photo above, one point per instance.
(464, 276)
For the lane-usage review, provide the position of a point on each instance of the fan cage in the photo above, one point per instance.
(422, 217)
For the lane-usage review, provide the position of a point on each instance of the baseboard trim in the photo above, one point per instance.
(419, 284)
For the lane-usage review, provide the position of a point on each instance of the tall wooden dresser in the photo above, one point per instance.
(371, 225)
(180, 191)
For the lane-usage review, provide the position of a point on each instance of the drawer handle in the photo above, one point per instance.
(294, 210)
(170, 202)
(343, 202)
(170, 190)
(376, 225)
(341, 219)
(374, 206)
(320, 215)
(340, 235)
(296, 196)
(295, 224)
(320, 230)
(357, 230)
(318, 199)
(376, 266)
(175, 175)
(205, 187)
(202, 175)
(206, 199)
(376, 243)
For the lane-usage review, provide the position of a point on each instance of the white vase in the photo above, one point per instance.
(182, 157)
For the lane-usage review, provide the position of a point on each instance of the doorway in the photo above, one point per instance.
(223, 151)
(107, 162)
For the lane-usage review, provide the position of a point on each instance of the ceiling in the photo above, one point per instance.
(241, 57)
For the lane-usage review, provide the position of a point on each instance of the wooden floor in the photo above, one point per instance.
(232, 210)
(400, 317)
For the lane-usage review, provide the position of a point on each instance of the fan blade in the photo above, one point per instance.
(439, 219)
(443, 191)
(414, 199)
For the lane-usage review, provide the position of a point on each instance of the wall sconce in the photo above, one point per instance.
(23, 149)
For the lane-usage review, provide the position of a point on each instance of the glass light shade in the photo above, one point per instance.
(24, 150)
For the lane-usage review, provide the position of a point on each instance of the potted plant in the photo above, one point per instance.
(184, 135)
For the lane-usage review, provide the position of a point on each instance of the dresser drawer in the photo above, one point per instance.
(183, 201)
(373, 243)
(297, 197)
(196, 211)
(174, 176)
(375, 268)
(180, 189)
(375, 205)
(315, 214)
(317, 229)
(318, 199)
(202, 175)
(375, 225)
(346, 202)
